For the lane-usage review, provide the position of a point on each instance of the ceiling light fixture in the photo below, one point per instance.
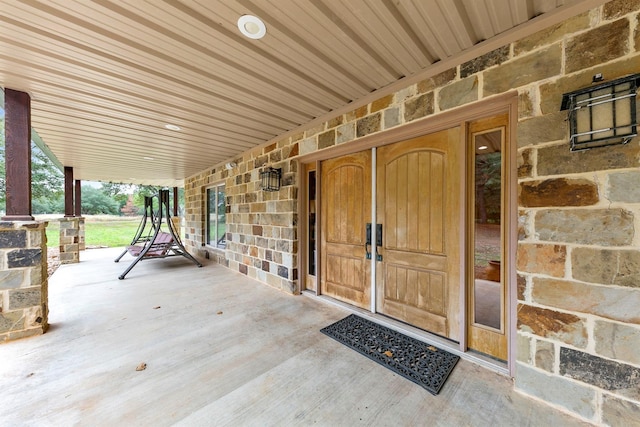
(482, 147)
(172, 127)
(252, 27)
(147, 158)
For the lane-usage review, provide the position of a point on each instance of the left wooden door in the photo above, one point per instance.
(346, 209)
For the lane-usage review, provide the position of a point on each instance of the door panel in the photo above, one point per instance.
(346, 208)
(419, 204)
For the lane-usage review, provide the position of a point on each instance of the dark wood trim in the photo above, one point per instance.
(175, 201)
(78, 198)
(68, 192)
(17, 116)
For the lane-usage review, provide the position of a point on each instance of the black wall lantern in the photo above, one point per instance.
(602, 114)
(270, 178)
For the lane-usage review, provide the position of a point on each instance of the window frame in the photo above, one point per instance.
(213, 241)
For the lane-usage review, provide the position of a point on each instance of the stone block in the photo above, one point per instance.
(334, 122)
(358, 113)
(11, 321)
(345, 133)
(558, 192)
(568, 394)
(419, 107)
(564, 327)
(552, 34)
(315, 130)
(525, 105)
(545, 355)
(308, 145)
(522, 287)
(24, 258)
(558, 160)
(617, 341)
(607, 227)
(524, 348)
(604, 301)
(606, 266)
(624, 187)
(495, 57)
(541, 258)
(551, 93)
(11, 279)
(597, 46)
(525, 163)
(536, 66)
(327, 139)
(13, 239)
(542, 129)
(391, 117)
(381, 103)
(368, 125)
(458, 93)
(618, 412)
(617, 8)
(431, 83)
(606, 374)
(283, 271)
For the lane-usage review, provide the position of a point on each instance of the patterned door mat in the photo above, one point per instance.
(415, 360)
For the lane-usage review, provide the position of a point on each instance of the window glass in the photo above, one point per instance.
(216, 217)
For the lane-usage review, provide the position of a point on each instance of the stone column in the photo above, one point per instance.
(81, 234)
(23, 279)
(69, 240)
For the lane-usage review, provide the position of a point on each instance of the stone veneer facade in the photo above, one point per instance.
(70, 240)
(578, 257)
(23, 279)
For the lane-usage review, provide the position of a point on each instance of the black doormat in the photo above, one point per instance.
(415, 360)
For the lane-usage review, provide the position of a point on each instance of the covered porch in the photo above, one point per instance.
(220, 349)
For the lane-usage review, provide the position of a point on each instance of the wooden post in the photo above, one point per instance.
(175, 201)
(78, 198)
(17, 116)
(68, 192)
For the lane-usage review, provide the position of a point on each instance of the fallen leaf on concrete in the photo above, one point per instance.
(30, 375)
(155, 308)
(141, 367)
(219, 312)
(388, 353)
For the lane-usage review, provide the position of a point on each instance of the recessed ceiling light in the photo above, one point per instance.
(147, 158)
(252, 27)
(482, 147)
(172, 127)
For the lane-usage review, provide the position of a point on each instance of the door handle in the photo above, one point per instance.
(367, 243)
(378, 241)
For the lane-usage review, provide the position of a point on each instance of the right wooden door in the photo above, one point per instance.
(419, 205)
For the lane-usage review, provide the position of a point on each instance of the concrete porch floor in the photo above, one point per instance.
(221, 350)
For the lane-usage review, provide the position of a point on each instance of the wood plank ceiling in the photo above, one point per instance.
(107, 76)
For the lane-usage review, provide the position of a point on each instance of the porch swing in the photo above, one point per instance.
(150, 241)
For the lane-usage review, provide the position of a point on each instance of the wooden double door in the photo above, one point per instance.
(415, 238)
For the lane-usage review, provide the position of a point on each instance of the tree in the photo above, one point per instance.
(96, 202)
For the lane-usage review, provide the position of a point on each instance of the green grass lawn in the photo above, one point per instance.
(99, 231)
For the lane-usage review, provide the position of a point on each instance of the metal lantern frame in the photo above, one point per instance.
(586, 113)
(270, 179)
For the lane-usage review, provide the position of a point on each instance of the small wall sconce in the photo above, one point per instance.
(230, 165)
(603, 114)
(270, 178)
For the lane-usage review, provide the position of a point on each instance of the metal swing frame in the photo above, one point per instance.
(155, 243)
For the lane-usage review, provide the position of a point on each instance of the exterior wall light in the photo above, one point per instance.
(270, 179)
(603, 114)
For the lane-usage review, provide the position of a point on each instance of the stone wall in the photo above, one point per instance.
(578, 257)
(70, 240)
(23, 279)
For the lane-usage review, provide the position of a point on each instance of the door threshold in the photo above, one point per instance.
(419, 334)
